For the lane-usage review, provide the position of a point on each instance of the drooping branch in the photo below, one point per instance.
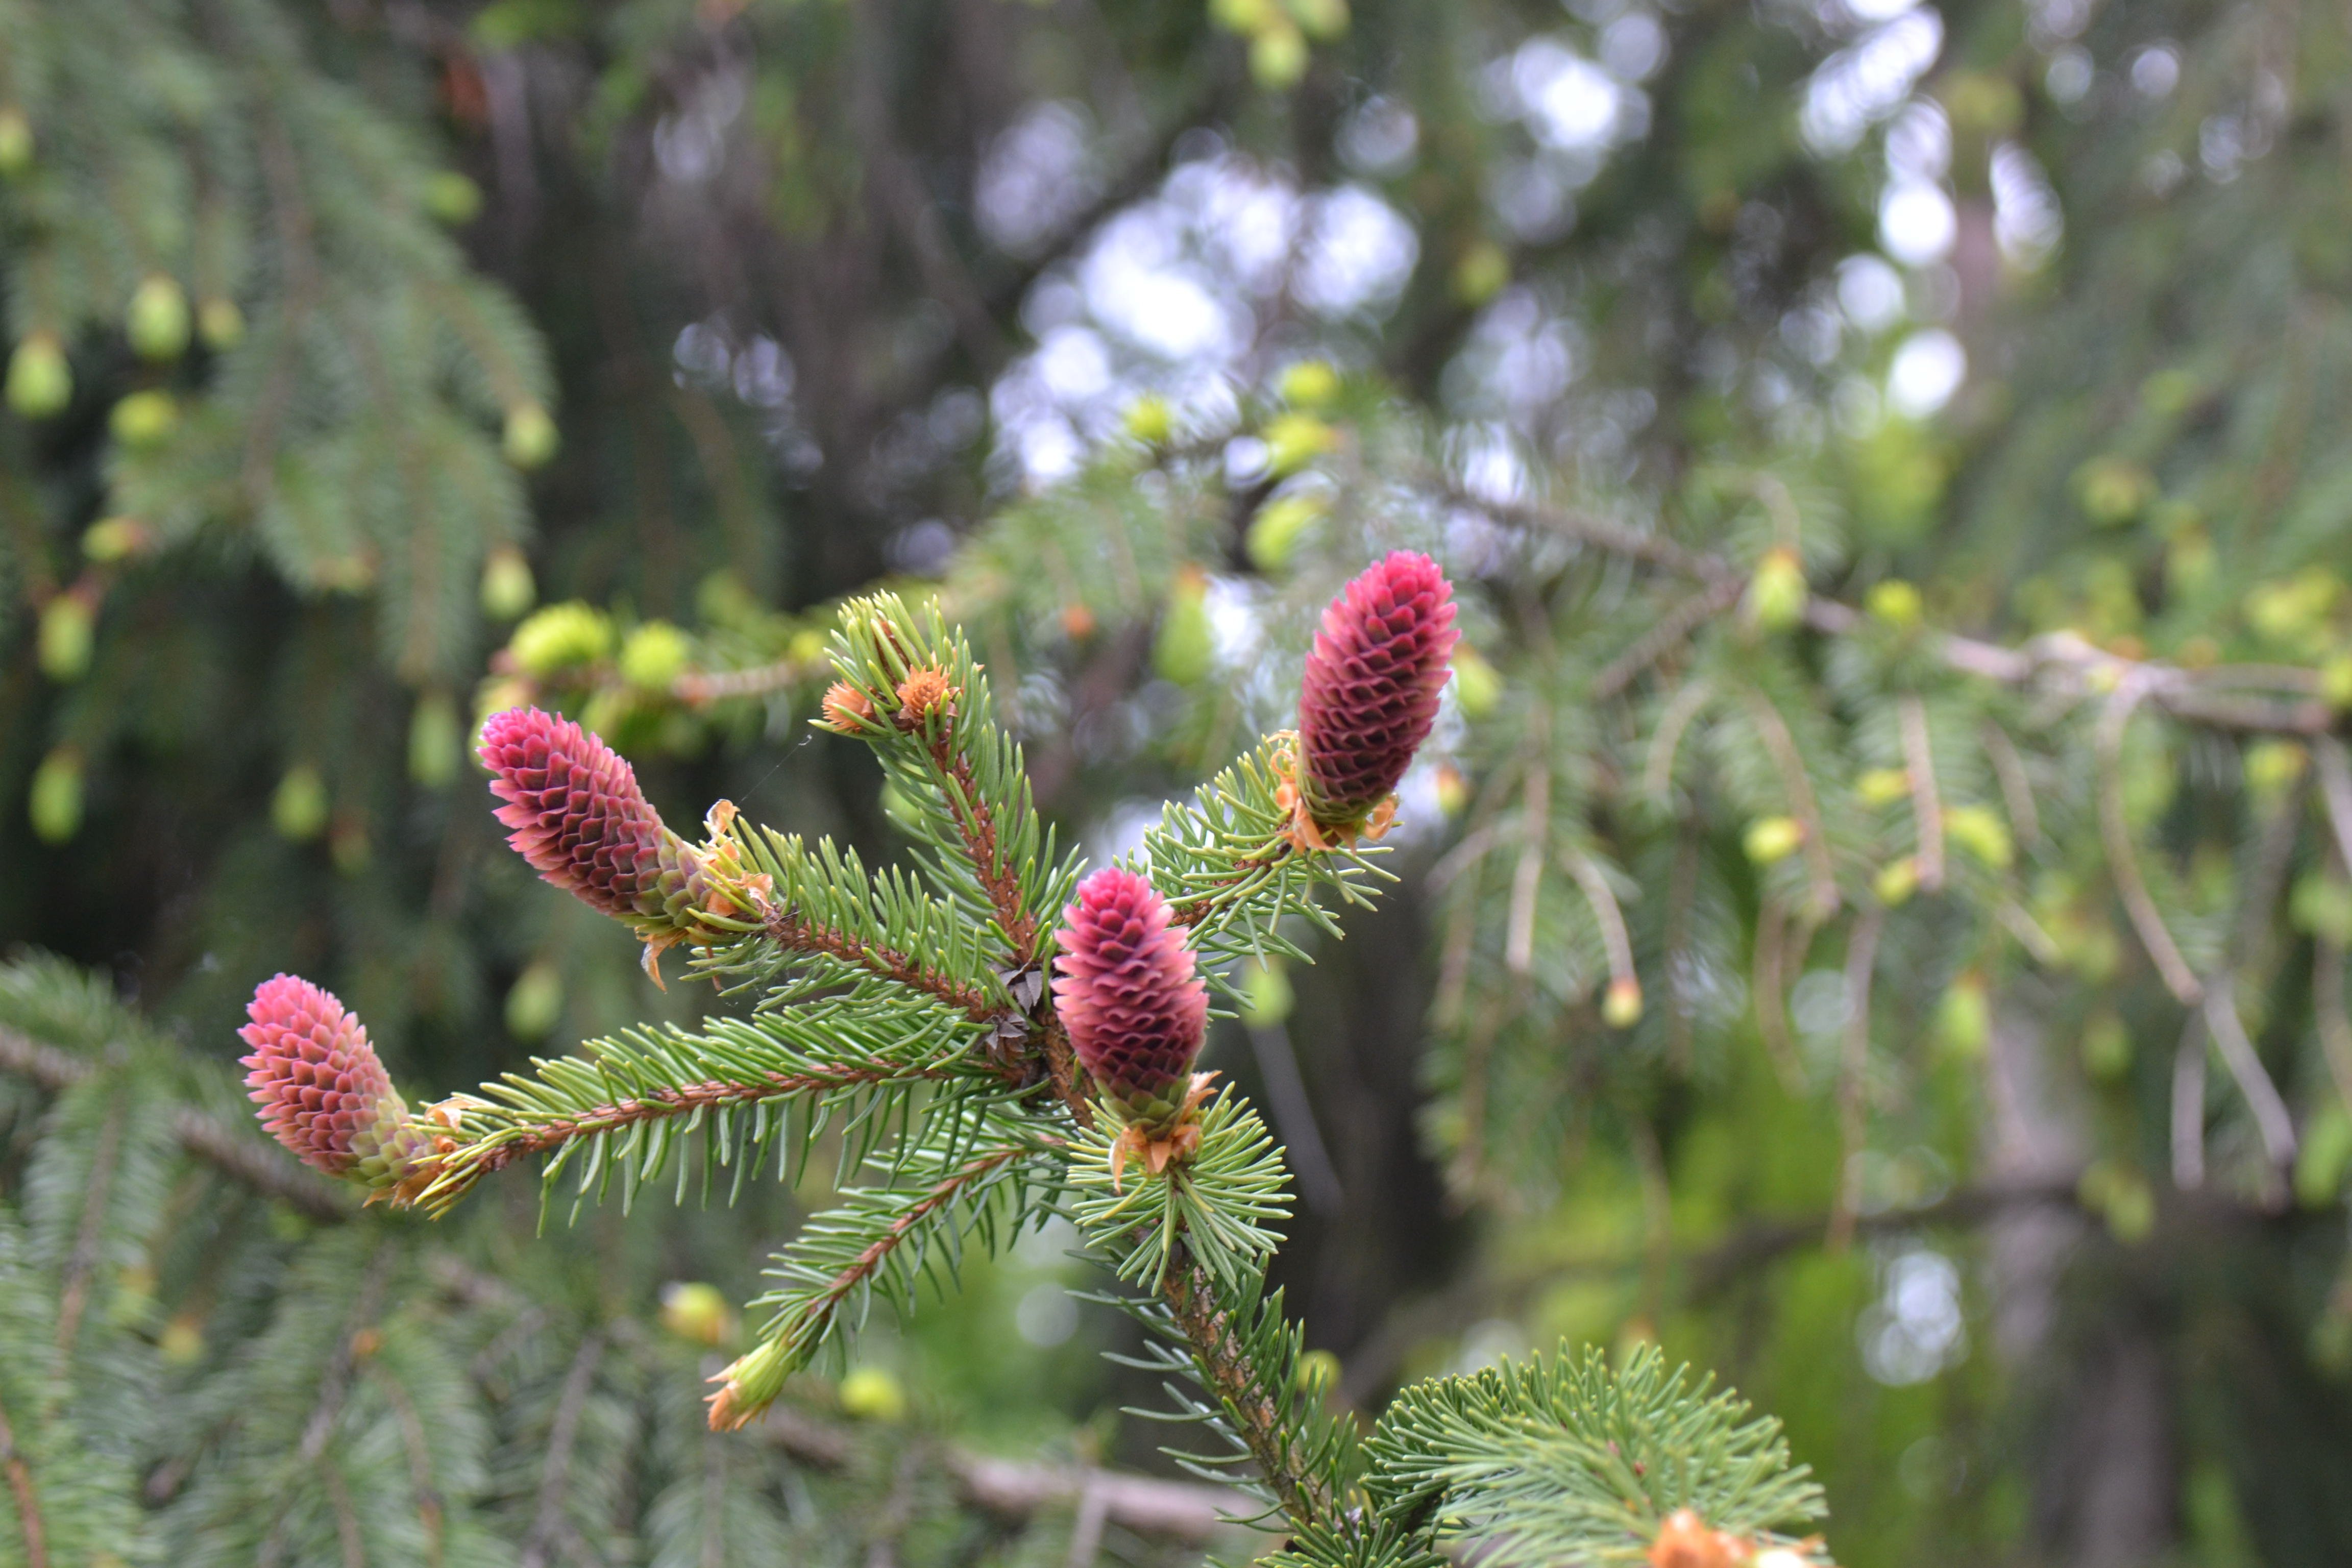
(234, 1154)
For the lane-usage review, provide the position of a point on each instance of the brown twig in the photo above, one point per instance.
(1807, 810)
(711, 1094)
(877, 1252)
(976, 825)
(1663, 636)
(1926, 800)
(2179, 978)
(1015, 1493)
(30, 1523)
(788, 930)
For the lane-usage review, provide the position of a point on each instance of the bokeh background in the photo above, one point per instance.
(375, 362)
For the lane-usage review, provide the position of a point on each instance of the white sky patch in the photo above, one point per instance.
(1571, 104)
(1915, 222)
(1870, 292)
(1861, 85)
(1915, 1329)
(1634, 46)
(1036, 175)
(1236, 626)
(2027, 221)
(1358, 254)
(1135, 285)
(1927, 368)
(1046, 1316)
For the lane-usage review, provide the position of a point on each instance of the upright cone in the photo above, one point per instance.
(1369, 698)
(1129, 993)
(321, 1088)
(579, 817)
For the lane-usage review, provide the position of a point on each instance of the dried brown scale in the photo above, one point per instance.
(787, 930)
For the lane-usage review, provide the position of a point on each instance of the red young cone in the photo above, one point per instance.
(1370, 693)
(581, 820)
(321, 1090)
(1128, 994)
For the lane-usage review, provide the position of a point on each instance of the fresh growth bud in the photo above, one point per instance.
(1477, 685)
(1370, 693)
(1683, 1541)
(926, 694)
(321, 1088)
(40, 381)
(15, 143)
(1150, 420)
(846, 708)
(749, 1385)
(433, 746)
(560, 638)
(144, 418)
(1897, 603)
(508, 588)
(1186, 646)
(1266, 995)
(1309, 383)
(1773, 839)
(67, 633)
(1481, 273)
(535, 1001)
(871, 1393)
(1776, 594)
(1896, 881)
(1277, 54)
(1295, 440)
(55, 805)
(1323, 19)
(1127, 993)
(220, 323)
(530, 437)
(1280, 523)
(452, 198)
(1621, 1004)
(579, 817)
(1979, 830)
(654, 655)
(110, 539)
(1881, 786)
(697, 1311)
(298, 807)
(157, 323)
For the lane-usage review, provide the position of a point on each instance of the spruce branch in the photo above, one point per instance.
(625, 1104)
(1564, 1458)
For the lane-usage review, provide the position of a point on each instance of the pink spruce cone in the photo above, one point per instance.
(321, 1089)
(581, 820)
(1127, 993)
(1370, 693)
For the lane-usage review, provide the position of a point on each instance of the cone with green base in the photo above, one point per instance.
(323, 1093)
